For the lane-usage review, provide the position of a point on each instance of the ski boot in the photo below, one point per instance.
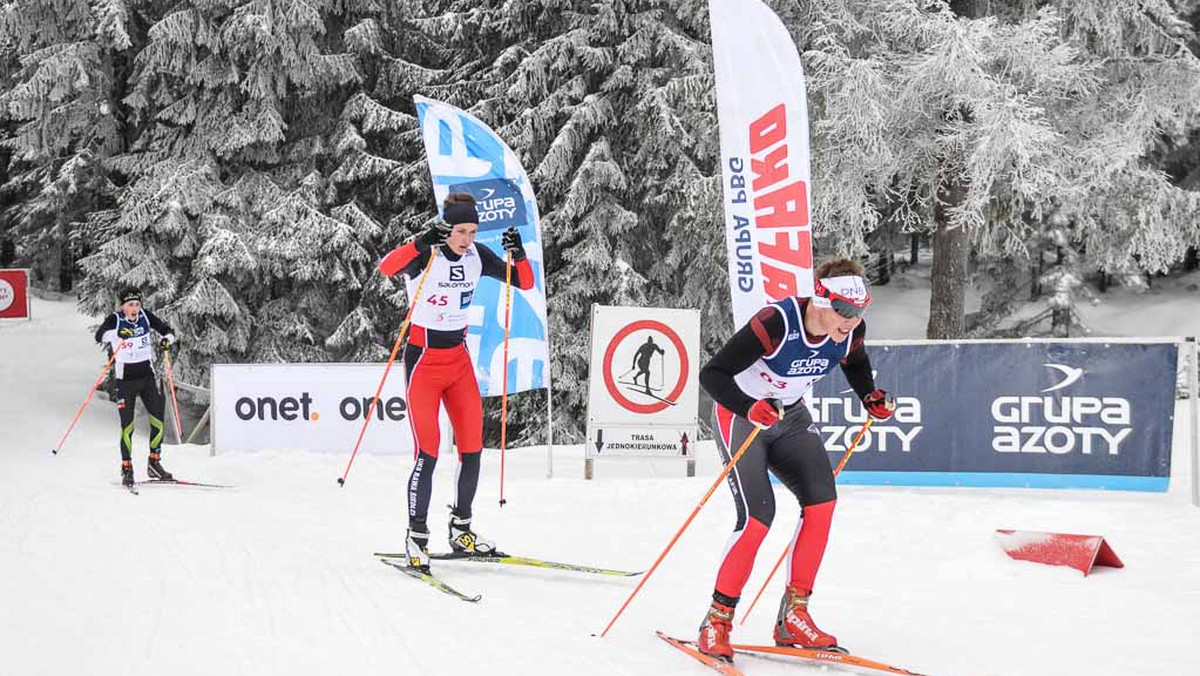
(127, 473)
(467, 542)
(155, 470)
(795, 627)
(714, 632)
(416, 547)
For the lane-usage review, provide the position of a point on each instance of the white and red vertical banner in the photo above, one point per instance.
(763, 116)
(14, 294)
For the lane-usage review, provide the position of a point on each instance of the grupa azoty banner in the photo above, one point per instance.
(465, 155)
(1022, 414)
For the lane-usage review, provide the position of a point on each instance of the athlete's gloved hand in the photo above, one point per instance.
(880, 404)
(764, 413)
(511, 240)
(434, 235)
(167, 341)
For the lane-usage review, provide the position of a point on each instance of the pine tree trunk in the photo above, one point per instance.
(914, 249)
(947, 301)
(883, 272)
(8, 252)
(951, 247)
(66, 269)
(1192, 260)
(1035, 285)
(1103, 281)
(1060, 323)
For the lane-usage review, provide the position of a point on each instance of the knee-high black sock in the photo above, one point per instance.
(420, 489)
(126, 405)
(468, 481)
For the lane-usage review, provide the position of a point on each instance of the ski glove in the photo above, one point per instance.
(765, 413)
(511, 240)
(880, 404)
(167, 341)
(433, 236)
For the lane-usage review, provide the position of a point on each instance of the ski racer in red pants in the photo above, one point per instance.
(760, 379)
(439, 369)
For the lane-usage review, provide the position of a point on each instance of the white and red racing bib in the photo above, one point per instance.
(449, 289)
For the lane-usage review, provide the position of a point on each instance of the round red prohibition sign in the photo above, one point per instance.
(609, 383)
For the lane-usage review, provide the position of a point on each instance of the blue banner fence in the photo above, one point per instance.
(1085, 413)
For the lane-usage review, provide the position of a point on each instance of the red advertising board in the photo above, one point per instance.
(14, 294)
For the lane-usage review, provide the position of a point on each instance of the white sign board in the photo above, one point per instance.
(643, 385)
(311, 407)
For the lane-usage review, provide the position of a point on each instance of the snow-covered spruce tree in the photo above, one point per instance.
(1124, 213)
(618, 121)
(993, 123)
(59, 125)
(672, 155)
(232, 102)
(468, 54)
(381, 176)
(609, 106)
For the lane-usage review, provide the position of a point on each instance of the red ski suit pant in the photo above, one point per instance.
(792, 450)
(438, 376)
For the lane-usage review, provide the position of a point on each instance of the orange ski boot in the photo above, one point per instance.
(795, 627)
(714, 632)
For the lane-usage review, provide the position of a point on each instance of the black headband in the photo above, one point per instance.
(460, 212)
(130, 294)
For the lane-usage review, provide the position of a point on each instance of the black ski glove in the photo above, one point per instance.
(511, 241)
(433, 236)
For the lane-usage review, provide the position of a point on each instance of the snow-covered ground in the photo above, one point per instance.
(275, 576)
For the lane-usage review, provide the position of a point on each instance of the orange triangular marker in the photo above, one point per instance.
(1081, 552)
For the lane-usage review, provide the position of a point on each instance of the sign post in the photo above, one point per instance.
(643, 385)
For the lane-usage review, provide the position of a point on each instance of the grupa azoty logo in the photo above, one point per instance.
(1070, 375)
(1060, 423)
(498, 201)
(894, 434)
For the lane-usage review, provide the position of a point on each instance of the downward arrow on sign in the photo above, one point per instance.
(599, 440)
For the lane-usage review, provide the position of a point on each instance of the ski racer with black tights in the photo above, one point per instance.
(128, 332)
(759, 379)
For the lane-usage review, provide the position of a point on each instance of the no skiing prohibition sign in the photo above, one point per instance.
(645, 353)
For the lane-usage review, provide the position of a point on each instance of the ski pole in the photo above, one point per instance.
(391, 358)
(845, 457)
(91, 392)
(504, 392)
(174, 401)
(721, 477)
